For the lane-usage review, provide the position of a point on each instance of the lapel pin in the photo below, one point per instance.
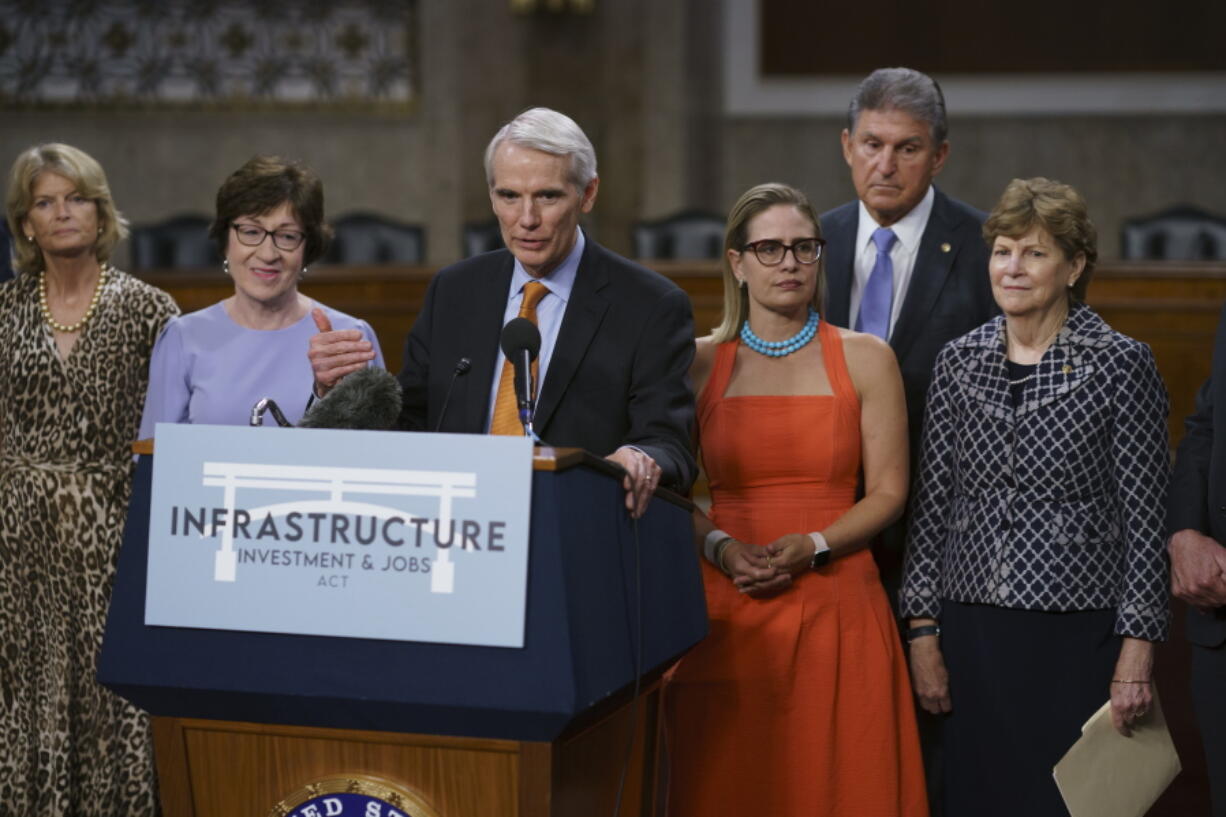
(1067, 369)
(946, 247)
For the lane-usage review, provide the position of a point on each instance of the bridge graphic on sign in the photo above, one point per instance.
(333, 483)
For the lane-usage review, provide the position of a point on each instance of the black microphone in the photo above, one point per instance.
(368, 399)
(521, 341)
(462, 366)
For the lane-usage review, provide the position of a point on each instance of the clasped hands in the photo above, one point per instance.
(1198, 569)
(765, 571)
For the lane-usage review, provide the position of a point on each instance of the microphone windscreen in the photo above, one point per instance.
(521, 333)
(368, 399)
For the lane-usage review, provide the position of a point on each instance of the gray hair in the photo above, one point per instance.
(903, 89)
(549, 132)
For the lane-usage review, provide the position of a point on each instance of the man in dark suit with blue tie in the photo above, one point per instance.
(1196, 518)
(906, 263)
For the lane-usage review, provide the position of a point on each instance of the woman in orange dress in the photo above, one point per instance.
(798, 701)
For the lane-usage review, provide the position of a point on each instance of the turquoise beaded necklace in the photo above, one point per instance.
(780, 348)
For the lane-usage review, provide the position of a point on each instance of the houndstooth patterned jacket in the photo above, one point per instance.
(1055, 505)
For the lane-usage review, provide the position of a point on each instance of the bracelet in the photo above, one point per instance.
(712, 543)
(1124, 681)
(922, 631)
(720, 550)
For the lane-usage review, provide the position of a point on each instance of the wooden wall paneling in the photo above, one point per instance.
(1172, 307)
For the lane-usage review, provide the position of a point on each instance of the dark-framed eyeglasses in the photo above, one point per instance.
(253, 236)
(770, 252)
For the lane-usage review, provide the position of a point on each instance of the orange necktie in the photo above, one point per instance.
(506, 409)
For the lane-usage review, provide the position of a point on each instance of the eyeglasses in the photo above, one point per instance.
(253, 236)
(771, 252)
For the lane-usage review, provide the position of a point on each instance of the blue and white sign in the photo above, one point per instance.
(364, 534)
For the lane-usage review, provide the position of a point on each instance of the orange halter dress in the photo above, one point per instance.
(797, 704)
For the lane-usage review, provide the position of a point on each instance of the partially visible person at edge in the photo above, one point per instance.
(73, 369)
(1036, 580)
(616, 338)
(798, 701)
(213, 365)
(1196, 522)
(6, 253)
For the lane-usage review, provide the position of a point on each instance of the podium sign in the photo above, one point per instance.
(361, 534)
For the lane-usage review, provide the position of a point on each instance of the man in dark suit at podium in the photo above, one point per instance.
(616, 339)
(1196, 518)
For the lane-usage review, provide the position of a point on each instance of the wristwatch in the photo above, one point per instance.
(821, 551)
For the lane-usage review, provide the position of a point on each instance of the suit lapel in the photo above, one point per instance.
(584, 312)
(840, 229)
(1069, 363)
(984, 378)
(483, 328)
(933, 262)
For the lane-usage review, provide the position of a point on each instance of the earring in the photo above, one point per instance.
(30, 238)
(225, 265)
(742, 282)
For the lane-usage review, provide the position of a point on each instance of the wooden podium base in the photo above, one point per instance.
(212, 768)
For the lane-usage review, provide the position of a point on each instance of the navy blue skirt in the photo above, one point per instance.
(1022, 683)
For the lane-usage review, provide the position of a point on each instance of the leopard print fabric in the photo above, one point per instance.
(67, 745)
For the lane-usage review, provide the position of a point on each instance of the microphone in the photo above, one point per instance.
(368, 399)
(521, 341)
(461, 367)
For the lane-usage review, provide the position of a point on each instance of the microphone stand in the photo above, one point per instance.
(526, 401)
(268, 404)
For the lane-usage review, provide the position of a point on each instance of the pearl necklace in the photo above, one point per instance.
(89, 313)
(780, 348)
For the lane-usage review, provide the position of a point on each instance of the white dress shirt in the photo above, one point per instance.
(549, 313)
(909, 230)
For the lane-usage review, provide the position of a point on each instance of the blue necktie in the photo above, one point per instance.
(878, 299)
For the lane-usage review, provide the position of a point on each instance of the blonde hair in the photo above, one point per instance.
(754, 201)
(1057, 208)
(87, 176)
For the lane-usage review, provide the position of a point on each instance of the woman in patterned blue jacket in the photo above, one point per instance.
(1036, 582)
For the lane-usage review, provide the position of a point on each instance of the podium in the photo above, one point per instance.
(244, 721)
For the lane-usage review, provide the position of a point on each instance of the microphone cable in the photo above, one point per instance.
(638, 671)
(461, 367)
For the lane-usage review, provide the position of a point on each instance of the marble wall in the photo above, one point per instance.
(644, 80)
(1124, 166)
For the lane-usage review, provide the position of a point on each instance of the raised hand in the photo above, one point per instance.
(335, 353)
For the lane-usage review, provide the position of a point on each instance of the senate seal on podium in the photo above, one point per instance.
(353, 795)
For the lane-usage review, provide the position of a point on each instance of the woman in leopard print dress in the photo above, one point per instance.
(74, 359)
